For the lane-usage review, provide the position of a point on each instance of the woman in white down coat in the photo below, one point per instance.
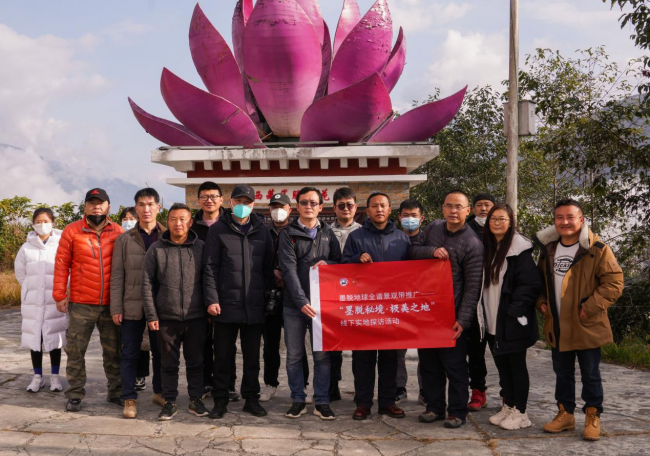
(43, 327)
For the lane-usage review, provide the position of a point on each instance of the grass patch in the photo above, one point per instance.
(9, 291)
(632, 352)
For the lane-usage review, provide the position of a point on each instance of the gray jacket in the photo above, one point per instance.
(172, 286)
(466, 256)
(342, 233)
(126, 274)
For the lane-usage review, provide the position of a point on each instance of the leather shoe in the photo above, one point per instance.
(393, 411)
(361, 413)
(254, 408)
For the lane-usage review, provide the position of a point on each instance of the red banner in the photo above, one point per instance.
(380, 306)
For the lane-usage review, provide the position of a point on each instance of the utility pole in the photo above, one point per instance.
(513, 109)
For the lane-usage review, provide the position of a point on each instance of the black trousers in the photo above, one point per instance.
(363, 368)
(513, 376)
(225, 336)
(208, 357)
(336, 364)
(436, 366)
(564, 366)
(190, 335)
(272, 336)
(476, 358)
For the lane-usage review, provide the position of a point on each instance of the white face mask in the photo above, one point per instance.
(481, 220)
(43, 229)
(279, 215)
(128, 224)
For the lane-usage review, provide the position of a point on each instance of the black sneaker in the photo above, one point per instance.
(297, 409)
(197, 407)
(117, 400)
(400, 394)
(254, 408)
(324, 412)
(73, 405)
(168, 411)
(140, 384)
(207, 391)
(335, 393)
(218, 411)
(233, 396)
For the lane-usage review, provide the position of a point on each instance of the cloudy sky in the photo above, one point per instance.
(67, 68)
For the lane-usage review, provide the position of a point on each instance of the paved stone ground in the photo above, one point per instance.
(36, 424)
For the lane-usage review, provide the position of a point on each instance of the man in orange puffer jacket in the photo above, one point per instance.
(84, 256)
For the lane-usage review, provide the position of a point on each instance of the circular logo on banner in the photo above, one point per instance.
(343, 282)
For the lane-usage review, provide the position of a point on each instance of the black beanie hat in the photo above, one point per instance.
(483, 196)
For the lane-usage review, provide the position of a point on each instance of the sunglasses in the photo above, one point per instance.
(342, 206)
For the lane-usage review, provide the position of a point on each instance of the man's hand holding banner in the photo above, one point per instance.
(380, 306)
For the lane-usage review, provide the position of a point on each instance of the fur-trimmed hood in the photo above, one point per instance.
(550, 234)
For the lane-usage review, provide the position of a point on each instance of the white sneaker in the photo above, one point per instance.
(502, 415)
(268, 392)
(36, 384)
(515, 420)
(55, 383)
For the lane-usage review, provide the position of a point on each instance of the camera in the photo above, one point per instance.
(273, 300)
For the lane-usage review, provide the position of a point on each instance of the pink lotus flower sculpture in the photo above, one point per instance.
(286, 79)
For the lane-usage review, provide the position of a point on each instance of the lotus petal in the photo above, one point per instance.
(214, 61)
(327, 64)
(283, 63)
(348, 115)
(312, 9)
(350, 17)
(243, 10)
(170, 133)
(423, 122)
(396, 62)
(365, 50)
(210, 116)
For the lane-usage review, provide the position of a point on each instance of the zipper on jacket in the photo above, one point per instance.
(92, 248)
(101, 268)
(180, 260)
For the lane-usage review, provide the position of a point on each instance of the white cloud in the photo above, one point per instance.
(25, 173)
(569, 14)
(474, 59)
(123, 31)
(421, 15)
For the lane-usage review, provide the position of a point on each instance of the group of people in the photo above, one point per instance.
(203, 281)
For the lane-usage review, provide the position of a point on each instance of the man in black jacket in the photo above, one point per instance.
(451, 239)
(306, 243)
(238, 268)
(483, 202)
(172, 298)
(377, 240)
(210, 199)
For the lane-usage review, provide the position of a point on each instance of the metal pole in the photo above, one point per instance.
(513, 109)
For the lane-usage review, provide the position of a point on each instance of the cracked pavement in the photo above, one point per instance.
(36, 424)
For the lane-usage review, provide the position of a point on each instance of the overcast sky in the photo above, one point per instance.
(67, 67)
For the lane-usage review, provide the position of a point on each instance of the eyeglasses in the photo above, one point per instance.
(342, 206)
(209, 197)
(499, 220)
(456, 207)
(309, 203)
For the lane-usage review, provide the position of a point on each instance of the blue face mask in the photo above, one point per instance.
(410, 223)
(242, 211)
(128, 224)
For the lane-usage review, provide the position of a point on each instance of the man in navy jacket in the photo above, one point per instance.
(376, 241)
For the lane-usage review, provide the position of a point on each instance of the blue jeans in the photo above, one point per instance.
(564, 366)
(132, 331)
(296, 325)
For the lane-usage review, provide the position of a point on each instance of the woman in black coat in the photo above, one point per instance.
(511, 286)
